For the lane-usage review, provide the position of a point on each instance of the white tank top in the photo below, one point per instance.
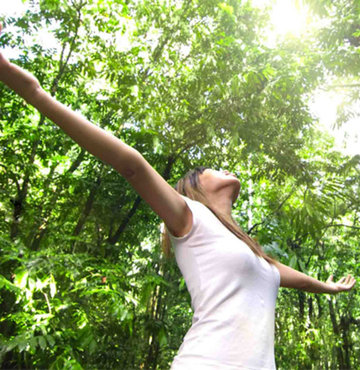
(233, 295)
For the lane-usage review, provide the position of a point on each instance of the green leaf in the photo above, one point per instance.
(162, 337)
(33, 343)
(21, 278)
(4, 283)
(42, 342)
(50, 339)
(293, 262)
(52, 286)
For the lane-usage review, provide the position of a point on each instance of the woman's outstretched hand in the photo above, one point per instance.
(17, 79)
(344, 284)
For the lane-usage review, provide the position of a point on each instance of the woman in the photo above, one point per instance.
(232, 282)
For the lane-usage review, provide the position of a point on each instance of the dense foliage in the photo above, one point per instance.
(83, 282)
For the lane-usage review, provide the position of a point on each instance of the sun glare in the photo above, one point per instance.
(289, 18)
(324, 106)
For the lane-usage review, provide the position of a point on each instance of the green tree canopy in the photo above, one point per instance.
(83, 282)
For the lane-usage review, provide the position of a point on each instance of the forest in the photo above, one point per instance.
(83, 280)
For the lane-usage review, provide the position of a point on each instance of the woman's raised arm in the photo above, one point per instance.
(91, 137)
(290, 278)
(161, 197)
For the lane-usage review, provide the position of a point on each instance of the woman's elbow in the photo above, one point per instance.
(130, 164)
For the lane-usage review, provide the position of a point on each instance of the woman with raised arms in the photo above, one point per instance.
(233, 284)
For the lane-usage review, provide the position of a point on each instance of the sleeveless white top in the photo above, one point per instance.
(233, 295)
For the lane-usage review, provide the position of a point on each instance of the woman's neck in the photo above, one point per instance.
(220, 203)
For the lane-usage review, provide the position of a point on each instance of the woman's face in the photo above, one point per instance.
(213, 181)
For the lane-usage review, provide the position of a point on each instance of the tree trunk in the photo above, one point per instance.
(19, 201)
(337, 348)
(319, 304)
(311, 308)
(301, 296)
(42, 227)
(347, 346)
(113, 239)
(87, 209)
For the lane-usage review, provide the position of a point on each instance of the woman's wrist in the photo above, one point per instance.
(313, 285)
(19, 80)
(331, 289)
(321, 287)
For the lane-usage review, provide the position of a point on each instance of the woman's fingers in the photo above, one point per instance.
(349, 283)
(330, 279)
(346, 283)
(352, 282)
(346, 280)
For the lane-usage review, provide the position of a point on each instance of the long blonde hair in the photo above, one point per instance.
(189, 186)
